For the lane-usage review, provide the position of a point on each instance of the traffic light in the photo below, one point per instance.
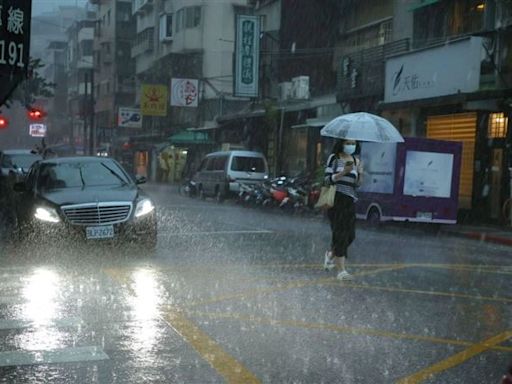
(3, 122)
(36, 114)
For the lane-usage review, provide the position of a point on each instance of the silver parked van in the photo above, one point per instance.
(220, 172)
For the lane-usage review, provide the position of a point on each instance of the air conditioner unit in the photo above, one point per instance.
(300, 87)
(285, 90)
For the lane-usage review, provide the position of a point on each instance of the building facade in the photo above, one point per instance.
(114, 69)
(79, 69)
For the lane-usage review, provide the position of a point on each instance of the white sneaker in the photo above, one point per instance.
(328, 261)
(344, 275)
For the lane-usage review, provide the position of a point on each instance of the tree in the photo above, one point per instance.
(32, 87)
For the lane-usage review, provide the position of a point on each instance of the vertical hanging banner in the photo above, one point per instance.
(247, 54)
(154, 100)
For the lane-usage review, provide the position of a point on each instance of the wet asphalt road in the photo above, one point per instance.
(235, 295)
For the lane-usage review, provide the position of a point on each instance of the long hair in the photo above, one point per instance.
(338, 146)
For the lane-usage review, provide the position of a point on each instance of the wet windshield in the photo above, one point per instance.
(74, 175)
(256, 191)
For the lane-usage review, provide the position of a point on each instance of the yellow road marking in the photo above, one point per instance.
(430, 293)
(285, 287)
(225, 364)
(232, 370)
(456, 359)
(340, 329)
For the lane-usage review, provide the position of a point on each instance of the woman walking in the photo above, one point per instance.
(346, 172)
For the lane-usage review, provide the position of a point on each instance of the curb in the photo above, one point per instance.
(482, 237)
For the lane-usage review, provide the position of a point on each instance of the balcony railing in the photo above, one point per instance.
(144, 42)
(362, 73)
(141, 5)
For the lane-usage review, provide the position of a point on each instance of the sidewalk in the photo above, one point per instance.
(490, 234)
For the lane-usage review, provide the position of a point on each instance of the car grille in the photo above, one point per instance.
(97, 214)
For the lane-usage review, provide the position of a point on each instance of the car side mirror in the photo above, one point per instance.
(140, 179)
(20, 187)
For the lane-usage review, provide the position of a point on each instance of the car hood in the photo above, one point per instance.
(70, 196)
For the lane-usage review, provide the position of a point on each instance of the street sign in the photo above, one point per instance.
(37, 130)
(184, 92)
(15, 17)
(129, 118)
(154, 100)
(247, 53)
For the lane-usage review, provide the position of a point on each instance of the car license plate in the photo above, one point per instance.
(424, 215)
(100, 232)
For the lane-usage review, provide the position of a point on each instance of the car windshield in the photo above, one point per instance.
(19, 161)
(248, 164)
(75, 175)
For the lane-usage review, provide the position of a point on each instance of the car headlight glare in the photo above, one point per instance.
(144, 207)
(47, 214)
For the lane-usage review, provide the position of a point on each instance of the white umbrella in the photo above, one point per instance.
(362, 126)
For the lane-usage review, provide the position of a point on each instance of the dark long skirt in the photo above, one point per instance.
(343, 224)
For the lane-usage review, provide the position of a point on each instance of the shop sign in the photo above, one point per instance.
(15, 17)
(439, 71)
(37, 130)
(129, 118)
(154, 100)
(247, 51)
(184, 92)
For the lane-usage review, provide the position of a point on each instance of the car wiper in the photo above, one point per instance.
(123, 181)
(82, 177)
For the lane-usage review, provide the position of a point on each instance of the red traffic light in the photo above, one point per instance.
(3, 122)
(36, 114)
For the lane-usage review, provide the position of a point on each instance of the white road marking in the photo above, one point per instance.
(6, 324)
(64, 355)
(248, 232)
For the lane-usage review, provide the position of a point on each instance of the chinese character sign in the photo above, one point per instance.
(184, 92)
(247, 56)
(14, 36)
(153, 100)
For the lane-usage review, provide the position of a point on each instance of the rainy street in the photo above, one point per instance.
(239, 295)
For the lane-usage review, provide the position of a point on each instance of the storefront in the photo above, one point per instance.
(437, 93)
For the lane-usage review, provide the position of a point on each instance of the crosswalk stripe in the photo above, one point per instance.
(6, 324)
(64, 355)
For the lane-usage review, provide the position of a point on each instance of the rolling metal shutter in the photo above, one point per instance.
(458, 127)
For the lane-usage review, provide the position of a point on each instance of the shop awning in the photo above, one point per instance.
(417, 4)
(189, 137)
(316, 122)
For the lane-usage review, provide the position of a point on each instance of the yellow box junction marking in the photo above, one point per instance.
(340, 329)
(456, 359)
(225, 364)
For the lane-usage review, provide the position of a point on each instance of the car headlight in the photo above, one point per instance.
(47, 214)
(144, 207)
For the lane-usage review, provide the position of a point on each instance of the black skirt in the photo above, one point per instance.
(342, 217)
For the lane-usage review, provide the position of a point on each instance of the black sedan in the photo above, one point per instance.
(86, 199)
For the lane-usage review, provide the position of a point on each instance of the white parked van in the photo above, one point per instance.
(221, 172)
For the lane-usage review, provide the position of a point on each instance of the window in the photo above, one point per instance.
(219, 163)
(108, 17)
(189, 17)
(165, 27)
(248, 164)
(498, 126)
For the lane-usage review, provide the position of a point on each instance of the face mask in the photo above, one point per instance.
(349, 149)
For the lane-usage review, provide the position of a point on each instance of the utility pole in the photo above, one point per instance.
(85, 110)
(92, 138)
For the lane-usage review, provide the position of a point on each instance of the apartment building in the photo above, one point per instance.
(114, 69)
(186, 39)
(79, 69)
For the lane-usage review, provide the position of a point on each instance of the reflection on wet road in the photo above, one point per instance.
(239, 296)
